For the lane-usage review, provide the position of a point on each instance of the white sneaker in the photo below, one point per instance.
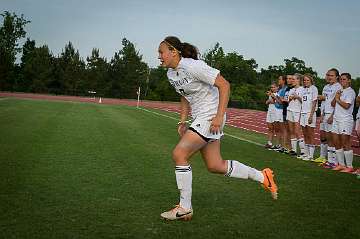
(178, 213)
(306, 158)
(301, 156)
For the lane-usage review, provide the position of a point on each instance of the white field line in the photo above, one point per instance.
(232, 136)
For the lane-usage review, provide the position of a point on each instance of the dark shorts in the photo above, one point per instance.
(203, 137)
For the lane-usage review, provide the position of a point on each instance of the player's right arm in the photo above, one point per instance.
(184, 112)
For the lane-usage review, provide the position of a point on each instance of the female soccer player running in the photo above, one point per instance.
(206, 93)
(343, 124)
(309, 96)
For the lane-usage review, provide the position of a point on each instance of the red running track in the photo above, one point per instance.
(252, 120)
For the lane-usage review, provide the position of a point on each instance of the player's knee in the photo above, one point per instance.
(216, 168)
(179, 156)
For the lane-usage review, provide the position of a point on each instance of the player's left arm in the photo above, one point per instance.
(224, 92)
(343, 103)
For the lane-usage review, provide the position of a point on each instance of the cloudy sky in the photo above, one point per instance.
(324, 33)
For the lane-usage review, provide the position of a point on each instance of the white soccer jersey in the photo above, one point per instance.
(341, 114)
(329, 92)
(194, 80)
(308, 95)
(271, 106)
(295, 105)
(358, 113)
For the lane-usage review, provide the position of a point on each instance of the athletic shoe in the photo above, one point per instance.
(300, 156)
(268, 146)
(323, 164)
(338, 168)
(292, 153)
(306, 158)
(329, 165)
(274, 147)
(178, 213)
(319, 160)
(286, 151)
(347, 170)
(269, 182)
(357, 171)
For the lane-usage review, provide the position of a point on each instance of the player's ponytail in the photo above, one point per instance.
(184, 49)
(189, 51)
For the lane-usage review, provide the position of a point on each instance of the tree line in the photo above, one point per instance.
(40, 71)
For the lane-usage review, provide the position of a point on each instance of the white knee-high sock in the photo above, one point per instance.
(349, 158)
(331, 155)
(323, 150)
(340, 156)
(334, 156)
(294, 144)
(307, 150)
(301, 145)
(239, 170)
(184, 182)
(311, 150)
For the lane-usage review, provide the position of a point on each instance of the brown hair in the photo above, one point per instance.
(347, 75)
(299, 77)
(336, 72)
(185, 49)
(310, 77)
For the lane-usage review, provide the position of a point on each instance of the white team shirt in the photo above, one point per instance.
(271, 106)
(358, 113)
(308, 95)
(295, 105)
(329, 92)
(341, 114)
(194, 80)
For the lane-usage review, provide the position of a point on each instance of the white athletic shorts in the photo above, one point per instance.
(304, 120)
(274, 116)
(342, 127)
(324, 126)
(293, 116)
(202, 128)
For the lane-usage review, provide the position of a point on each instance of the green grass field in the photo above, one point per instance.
(78, 170)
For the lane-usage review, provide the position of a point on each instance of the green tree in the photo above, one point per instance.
(159, 87)
(127, 71)
(232, 65)
(98, 74)
(36, 68)
(69, 72)
(11, 31)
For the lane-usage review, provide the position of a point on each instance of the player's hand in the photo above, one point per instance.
(310, 119)
(321, 97)
(338, 94)
(330, 120)
(216, 123)
(182, 129)
(321, 118)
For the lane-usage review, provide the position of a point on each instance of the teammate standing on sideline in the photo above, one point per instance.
(323, 142)
(280, 128)
(308, 115)
(293, 116)
(273, 117)
(206, 93)
(343, 124)
(329, 92)
(288, 85)
(357, 122)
